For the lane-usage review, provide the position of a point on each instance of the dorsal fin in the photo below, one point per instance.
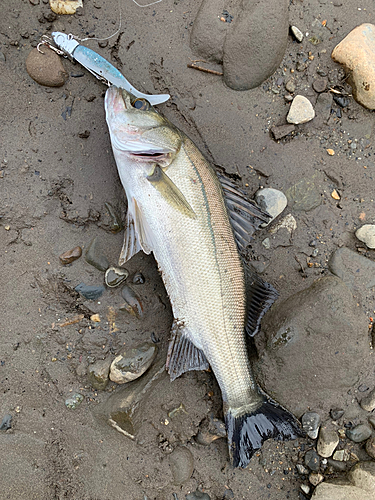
(260, 296)
(245, 215)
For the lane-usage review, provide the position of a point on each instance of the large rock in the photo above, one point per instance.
(357, 54)
(314, 348)
(328, 491)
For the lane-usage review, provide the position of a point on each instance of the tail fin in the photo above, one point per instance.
(247, 432)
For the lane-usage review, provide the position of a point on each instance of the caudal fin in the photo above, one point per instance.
(247, 432)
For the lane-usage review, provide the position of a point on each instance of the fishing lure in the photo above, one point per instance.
(98, 66)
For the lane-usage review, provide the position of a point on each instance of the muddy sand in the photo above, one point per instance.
(57, 176)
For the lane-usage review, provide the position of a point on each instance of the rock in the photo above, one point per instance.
(302, 469)
(337, 465)
(315, 478)
(255, 43)
(181, 462)
(272, 201)
(300, 346)
(370, 447)
(356, 52)
(133, 304)
(114, 276)
(70, 256)
(90, 292)
(116, 224)
(366, 233)
(73, 401)
(138, 278)
(362, 475)
(301, 111)
(336, 413)
(311, 423)
(327, 491)
(210, 430)
(320, 84)
(342, 101)
(298, 35)
(94, 256)
(266, 243)
(288, 222)
(359, 433)
(304, 196)
(341, 455)
(323, 107)
(133, 363)
(305, 488)
(312, 460)
(62, 7)
(372, 421)
(46, 69)
(98, 374)
(368, 402)
(290, 86)
(6, 423)
(281, 131)
(198, 495)
(327, 442)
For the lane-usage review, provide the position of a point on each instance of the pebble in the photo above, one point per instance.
(370, 447)
(198, 495)
(63, 7)
(266, 243)
(133, 304)
(316, 478)
(372, 421)
(356, 52)
(90, 292)
(362, 475)
(341, 455)
(181, 462)
(94, 256)
(366, 234)
(335, 195)
(281, 131)
(338, 465)
(311, 423)
(327, 442)
(359, 433)
(336, 413)
(114, 276)
(342, 101)
(304, 195)
(272, 201)
(305, 488)
(46, 69)
(73, 401)
(301, 111)
(302, 469)
(331, 152)
(98, 374)
(312, 460)
(138, 278)
(290, 85)
(6, 423)
(210, 430)
(320, 84)
(331, 491)
(298, 35)
(116, 223)
(368, 402)
(133, 363)
(70, 256)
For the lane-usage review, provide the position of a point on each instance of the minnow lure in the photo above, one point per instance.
(98, 66)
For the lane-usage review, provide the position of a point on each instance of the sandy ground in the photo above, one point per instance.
(53, 188)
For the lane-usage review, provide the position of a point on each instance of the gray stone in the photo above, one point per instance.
(6, 423)
(327, 442)
(359, 433)
(336, 413)
(95, 257)
(328, 491)
(368, 402)
(362, 475)
(366, 234)
(98, 374)
(198, 495)
(323, 107)
(132, 363)
(337, 465)
(301, 111)
(46, 68)
(356, 271)
(281, 131)
(133, 304)
(320, 84)
(299, 359)
(210, 430)
(298, 35)
(372, 421)
(272, 201)
(290, 85)
(304, 196)
(266, 243)
(90, 292)
(302, 469)
(73, 401)
(370, 447)
(312, 460)
(181, 462)
(311, 423)
(341, 455)
(114, 276)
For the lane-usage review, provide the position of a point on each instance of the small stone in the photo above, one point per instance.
(114, 276)
(366, 234)
(359, 433)
(281, 131)
(362, 475)
(181, 462)
(331, 152)
(95, 318)
(70, 256)
(6, 423)
(65, 7)
(94, 257)
(370, 447)
(312, 460)
(356, 52)
(302, 469)
(342, 101)
(210, 430)
(46, 69)
(199, 495)
(131, 364)
(90, 292)
(320, 84)
(327, 442)
(301, 111)
(335, 195)
(84, 135)
(290, 85)
(271, 201)
(297, 33)
(73, 401)
(311, 423)
(372, 421)
(288, 222)
(116, 223)
(98, 374)
(316, 478)
(341, 455)
(133, 304)
(138, 278)
(305, 488)
(337, 465)
(333, 491)
(336, 413)
(266, 243)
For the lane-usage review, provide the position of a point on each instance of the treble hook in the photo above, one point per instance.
(46, 40)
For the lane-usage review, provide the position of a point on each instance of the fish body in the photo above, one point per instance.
(178, 211)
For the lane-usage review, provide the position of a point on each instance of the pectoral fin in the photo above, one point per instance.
(170, 192)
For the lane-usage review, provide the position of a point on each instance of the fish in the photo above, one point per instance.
(196, 223)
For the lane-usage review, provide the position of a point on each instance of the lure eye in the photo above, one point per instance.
(141, 104)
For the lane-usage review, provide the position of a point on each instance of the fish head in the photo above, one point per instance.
(138, 131)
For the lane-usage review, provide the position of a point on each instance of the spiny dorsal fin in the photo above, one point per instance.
(260, 296)
(183, 356)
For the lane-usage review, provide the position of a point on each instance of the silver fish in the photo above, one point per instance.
(194, 222)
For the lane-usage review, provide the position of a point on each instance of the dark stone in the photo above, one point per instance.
(342, 101)
(359, 433)
(310, 423)
(84, 135)
(133, 304)
(199, 495)
(336, 413)
(281, 131)
(320, 84)
(6, 423)
(312, 460)
(138, 279)
(70, 256)
(90, 292)
(114, 276)
(95, 258)
(116, 223)
(336, 464)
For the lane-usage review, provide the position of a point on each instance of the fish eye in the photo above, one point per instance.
(141, 104)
